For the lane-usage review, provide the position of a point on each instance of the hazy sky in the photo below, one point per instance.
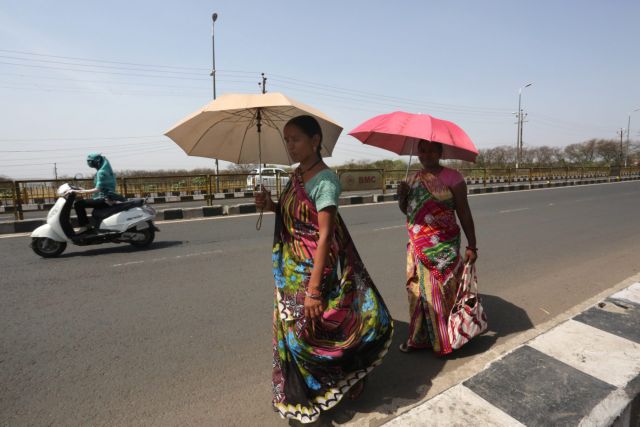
(80, 76)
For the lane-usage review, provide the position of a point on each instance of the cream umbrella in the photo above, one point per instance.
(248, 128)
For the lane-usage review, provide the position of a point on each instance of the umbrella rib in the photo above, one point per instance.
(284, 143)
(203, 135)
(244, 137)
(281, 116)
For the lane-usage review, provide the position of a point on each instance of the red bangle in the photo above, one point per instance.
(472, 249)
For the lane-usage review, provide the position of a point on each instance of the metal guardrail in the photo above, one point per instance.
(19, 196)
(7, 196)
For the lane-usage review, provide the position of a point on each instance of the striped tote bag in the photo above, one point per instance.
(467, 318)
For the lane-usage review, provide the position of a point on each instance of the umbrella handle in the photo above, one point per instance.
(406, 174)
(259, 222)
(259, 118)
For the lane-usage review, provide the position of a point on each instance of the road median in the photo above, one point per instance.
(28, 225)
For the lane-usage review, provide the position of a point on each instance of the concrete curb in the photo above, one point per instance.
(29, 225)
(584, 371)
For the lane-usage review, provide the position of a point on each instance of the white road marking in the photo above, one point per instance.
(513, 210)
(9, 236)
(217, 251)
(389, 228)
(543, 310)
(128, 263)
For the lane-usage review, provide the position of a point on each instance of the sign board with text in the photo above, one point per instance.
(356, 180)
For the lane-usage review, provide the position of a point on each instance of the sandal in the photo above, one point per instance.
(406, 348)
(356, 391)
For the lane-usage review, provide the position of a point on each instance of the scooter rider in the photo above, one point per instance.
(104, 193)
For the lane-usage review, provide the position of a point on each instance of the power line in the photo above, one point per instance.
(114, 67)
(101, 72)
(106, 82)
(80, 138)
(204, 70)
(375, 95)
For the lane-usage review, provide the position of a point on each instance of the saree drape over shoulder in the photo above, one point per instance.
(434, 264)
(316, 362)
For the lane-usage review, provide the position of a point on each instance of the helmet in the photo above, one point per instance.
(94, 160)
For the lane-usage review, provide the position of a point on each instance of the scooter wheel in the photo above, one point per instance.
(148, 235)
(47, 248)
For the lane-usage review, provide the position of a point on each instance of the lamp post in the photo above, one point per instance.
(520, 126)
(214, 17)
(628, 135)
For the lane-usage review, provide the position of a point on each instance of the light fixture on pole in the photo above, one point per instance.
(629, 135)
(520, 125)
(214, 17)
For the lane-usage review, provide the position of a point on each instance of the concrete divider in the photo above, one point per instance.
(8, 227)
(192, 213)
(169, 214)
(24, 226)
(246, 208)
(356, 200)
(216, 210)
(379, 198)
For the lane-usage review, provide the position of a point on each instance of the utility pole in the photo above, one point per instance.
(264, 90)
(214, 17)
(55, 170)
(519, 130)
(263, 84)
(629, 135)
(621, 133)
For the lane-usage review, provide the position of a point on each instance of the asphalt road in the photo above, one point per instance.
(180, 334)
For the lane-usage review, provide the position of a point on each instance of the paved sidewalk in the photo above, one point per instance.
(584, 371)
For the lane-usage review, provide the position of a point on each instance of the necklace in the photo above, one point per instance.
(302, 171)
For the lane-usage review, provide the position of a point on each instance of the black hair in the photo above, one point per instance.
(438, 145)
(309, 126)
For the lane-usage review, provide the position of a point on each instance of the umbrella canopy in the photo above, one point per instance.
(247, 128)
(399, 132)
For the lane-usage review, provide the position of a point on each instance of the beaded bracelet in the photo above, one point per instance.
(472, 249)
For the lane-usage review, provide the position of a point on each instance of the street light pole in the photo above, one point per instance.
(520, 126)
(214, 17)
(628, 136)
(621, 133)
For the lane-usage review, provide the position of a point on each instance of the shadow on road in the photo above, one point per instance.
(404, 379)
(122, 249)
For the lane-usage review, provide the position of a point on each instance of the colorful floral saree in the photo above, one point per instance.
(316, 362)
(434, 264)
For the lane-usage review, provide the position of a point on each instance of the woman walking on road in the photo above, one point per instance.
(331, 326)
(431, 199)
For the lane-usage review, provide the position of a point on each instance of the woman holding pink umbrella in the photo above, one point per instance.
(431, 199)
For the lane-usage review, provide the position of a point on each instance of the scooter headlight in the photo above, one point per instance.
(148, 209)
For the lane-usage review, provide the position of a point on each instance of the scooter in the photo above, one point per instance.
(125, 222)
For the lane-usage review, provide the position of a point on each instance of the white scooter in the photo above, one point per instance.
(125, 222)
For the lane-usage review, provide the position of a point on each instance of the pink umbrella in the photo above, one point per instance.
(399, 132)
